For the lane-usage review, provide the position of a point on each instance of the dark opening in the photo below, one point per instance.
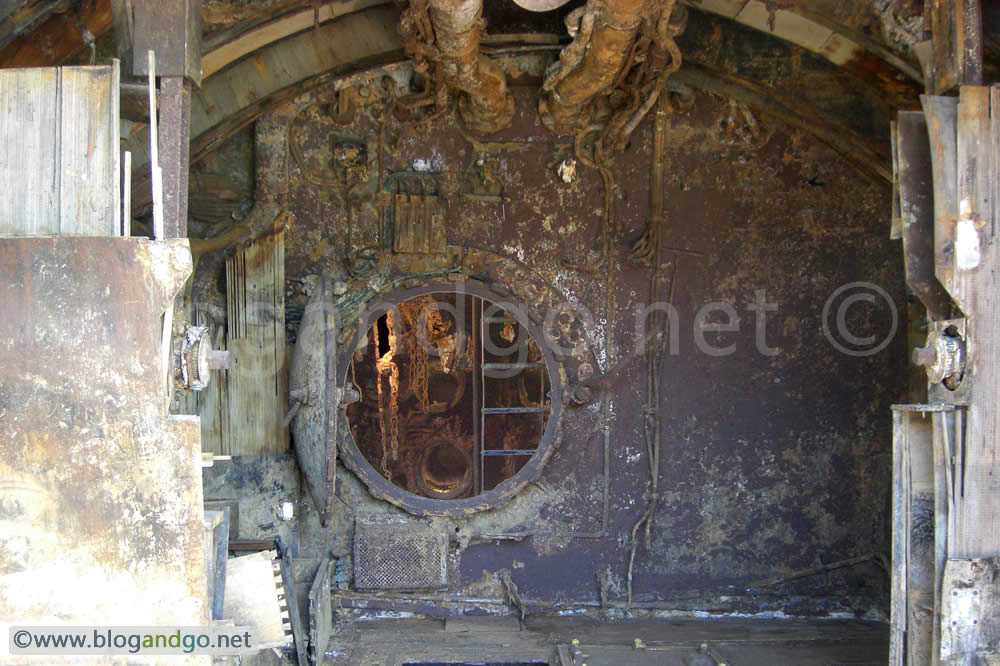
(454, 396)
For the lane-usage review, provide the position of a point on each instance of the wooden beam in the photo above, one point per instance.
(257, 380)
(978, 519)
(957, 34)
(59, 171)
(59, 38)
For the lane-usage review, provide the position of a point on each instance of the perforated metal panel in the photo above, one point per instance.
(392, 554)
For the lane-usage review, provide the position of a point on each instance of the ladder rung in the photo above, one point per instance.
(510, 452)
(514, 410)
(513, 366)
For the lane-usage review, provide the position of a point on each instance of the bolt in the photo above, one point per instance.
(580, 394)
(925, 356)
(350, 395)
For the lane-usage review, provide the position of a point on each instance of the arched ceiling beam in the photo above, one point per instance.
(233, 50)
(812, 31)
(59, 37)
(237, 95)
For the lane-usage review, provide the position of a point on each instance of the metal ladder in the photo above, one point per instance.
(479, 392)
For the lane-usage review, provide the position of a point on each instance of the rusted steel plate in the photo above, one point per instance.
(312, 375)
(916, 191)
(111, 487)
(941, 114)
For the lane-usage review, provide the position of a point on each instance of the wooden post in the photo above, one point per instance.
(154, 155)
(956, 56)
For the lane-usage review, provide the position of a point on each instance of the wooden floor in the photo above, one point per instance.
(663, 642)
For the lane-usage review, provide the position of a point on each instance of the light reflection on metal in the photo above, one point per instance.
(541, 5)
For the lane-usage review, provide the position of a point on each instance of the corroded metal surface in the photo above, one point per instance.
(444, 35)
(605, 37)
(405, 288)
(770, 462)
(110, 530)
(311, 380)
(399, 555)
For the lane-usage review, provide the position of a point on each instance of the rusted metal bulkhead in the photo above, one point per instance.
(486, 104)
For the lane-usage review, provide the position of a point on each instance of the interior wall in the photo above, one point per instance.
(775, 457)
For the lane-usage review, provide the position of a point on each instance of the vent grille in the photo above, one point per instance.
(391, 554)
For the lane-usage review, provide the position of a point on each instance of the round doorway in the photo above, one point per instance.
(458, 401)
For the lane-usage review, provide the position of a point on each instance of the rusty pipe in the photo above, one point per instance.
(607, 30)
(486, 105)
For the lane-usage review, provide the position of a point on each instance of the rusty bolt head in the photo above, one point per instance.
(350, 395)
(579, 394)
(943, 357)
(924, 356)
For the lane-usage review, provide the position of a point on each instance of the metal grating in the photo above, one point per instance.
(392, 554)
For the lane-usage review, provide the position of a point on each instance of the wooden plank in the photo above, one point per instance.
(257, 380)
(320, 614)
(88, 151)
(896, 222)
(956, 27)
(944, 513)
(29, 125)
(969, 41)
(921, 524)
(978, 522)
(914, 545)
(60, 166)
(897, 636)
(942, 24)
(975, 200)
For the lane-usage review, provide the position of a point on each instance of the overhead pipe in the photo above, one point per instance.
(604, 32)
(486, 105)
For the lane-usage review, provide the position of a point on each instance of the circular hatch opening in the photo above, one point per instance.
(456, 402)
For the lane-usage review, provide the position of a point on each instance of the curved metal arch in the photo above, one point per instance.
(246, 89)
(236, 96)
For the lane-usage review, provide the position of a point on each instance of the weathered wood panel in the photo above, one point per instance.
(59, 163)
(320, 614)
(257, 379)
(913, 537)
(977, 531)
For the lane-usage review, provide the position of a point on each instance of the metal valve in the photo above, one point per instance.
(943, 357)
(195, 359)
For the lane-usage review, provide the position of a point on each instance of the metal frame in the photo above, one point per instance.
(382, 488)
